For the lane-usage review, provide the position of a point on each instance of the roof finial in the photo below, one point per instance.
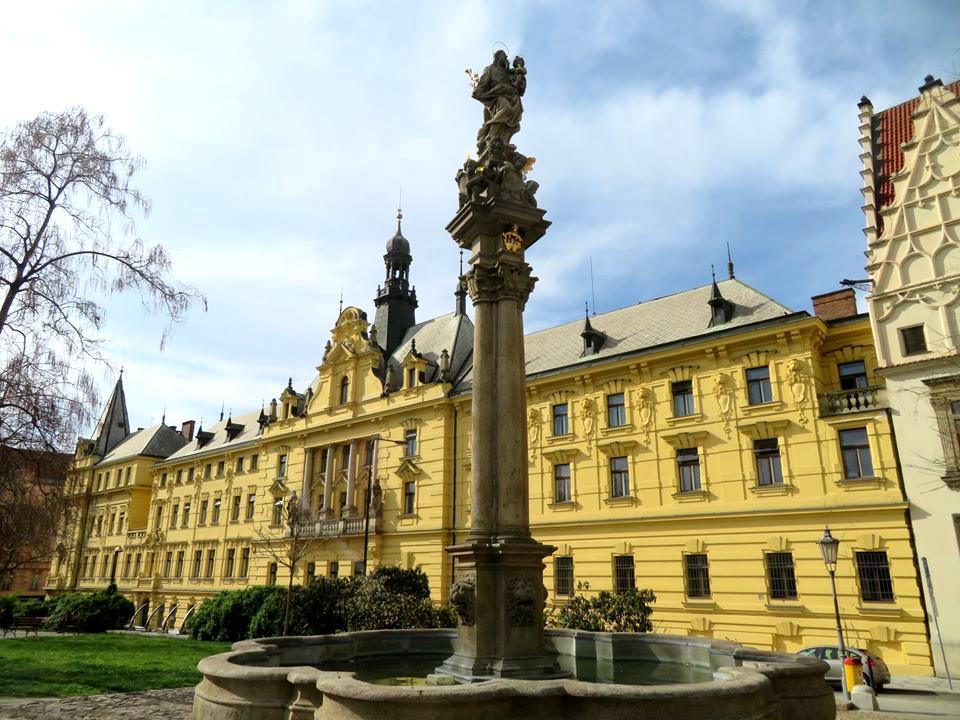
(221, 409)
(713, 274)
(729, 263)
(341, 303)
(586, 308)
(163, 419)
(121, 372)
(461, 261)
(399, 208)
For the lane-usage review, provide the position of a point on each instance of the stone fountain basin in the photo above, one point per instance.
(279, 679)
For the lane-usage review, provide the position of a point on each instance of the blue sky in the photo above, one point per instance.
(277, 139)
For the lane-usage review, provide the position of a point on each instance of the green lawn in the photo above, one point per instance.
(99, 663)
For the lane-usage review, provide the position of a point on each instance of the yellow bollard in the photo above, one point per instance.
(853, 671)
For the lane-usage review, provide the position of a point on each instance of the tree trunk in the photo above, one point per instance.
(286, 609)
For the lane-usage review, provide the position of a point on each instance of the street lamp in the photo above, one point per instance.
(829, 546)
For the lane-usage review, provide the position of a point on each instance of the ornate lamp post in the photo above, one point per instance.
(829, 546)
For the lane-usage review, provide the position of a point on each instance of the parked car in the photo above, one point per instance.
(875, 671)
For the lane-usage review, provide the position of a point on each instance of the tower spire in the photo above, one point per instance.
(114, 423)
(396, 300)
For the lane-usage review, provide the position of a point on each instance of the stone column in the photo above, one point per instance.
(328, 482)
(351, 508)
(307, 489)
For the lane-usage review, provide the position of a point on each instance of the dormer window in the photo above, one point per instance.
(411, 378)
(592, 339)
(344, 390)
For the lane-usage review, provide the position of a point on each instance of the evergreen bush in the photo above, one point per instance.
(90, 612)
(628, 611)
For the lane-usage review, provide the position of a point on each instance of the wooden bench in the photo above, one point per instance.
(26, 624)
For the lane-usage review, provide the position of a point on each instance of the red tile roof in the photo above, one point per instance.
(892, 128)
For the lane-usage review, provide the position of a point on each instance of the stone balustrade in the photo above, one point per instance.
(845, 402)
(342, 526)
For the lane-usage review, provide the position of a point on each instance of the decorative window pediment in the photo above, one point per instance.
(680, 372)
(763, 429)
(407, 469)
(560, 456)
(685, 439)
(756, 358)
(611, 387)
(618, 448)
(279, 488)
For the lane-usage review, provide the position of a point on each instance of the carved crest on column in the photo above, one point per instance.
(723, 388)
(795, 377)
(588, 415)
(534, 430)
(463, 598)
(520, 600)
(646, 411)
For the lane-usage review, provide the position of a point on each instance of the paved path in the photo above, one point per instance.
(153, 704)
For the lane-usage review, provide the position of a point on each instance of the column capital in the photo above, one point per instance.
(500, 280)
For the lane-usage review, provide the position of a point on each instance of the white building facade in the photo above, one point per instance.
(911, 187)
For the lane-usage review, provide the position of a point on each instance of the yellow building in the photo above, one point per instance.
(695, 444)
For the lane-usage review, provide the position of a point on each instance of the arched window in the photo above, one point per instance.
(344, 390)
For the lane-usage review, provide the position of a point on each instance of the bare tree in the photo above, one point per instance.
(301, 539)
(65, 187)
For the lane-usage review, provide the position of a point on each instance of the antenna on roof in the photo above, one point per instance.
(593, 291)
(729, 263)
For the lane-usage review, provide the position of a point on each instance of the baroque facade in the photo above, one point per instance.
(911, 173)
(694, 444)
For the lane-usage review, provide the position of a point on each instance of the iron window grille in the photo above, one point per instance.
(873, 570)
(623, 573)
(758, 385)
(853, 375)
(616, 410)
(619, 477)
(409, 497)
(563, 575)
(688, 464)
(561, 419)
(769, 470)
(913, 339)
(855, 449)
(682, 398)
(561, 483)
(697, 574)
(781, 579)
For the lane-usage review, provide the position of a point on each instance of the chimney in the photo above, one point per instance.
(187, 429)
(835, 305)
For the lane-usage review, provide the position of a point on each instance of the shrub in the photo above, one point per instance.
(8, 608)
(398, 581)
(226, 617)
(32, 608)
(90, 612)
(628, 611)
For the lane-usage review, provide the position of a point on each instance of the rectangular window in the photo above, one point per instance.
(203, 512)
(563, 575)
(758, 385)
(411, 377)
(409, 497)
(244, 562)
(619, 477)
(231, 559)
(197, 562)
(623, 573)
(278, 512)
(179, 477)
(682, 391)
(127, 561)
(358, 569)
(855, 449)
(215, 515)
(272, 574)
(235, 508)
(873, 570)
(913, 339)
(616, 410)
(781, 579)
(282, 466)
(410, 438)
(208, 470)
(254, 461)
(239, 466)
(211, 561)
(180, 557)
(561, 483)
(561, 419)
(688, 465)
(333, 569)
(173, 515)
(126, 480)
(697, 575)
(136, 565)
(120, 521)
(251, 504)
(767, 453)
(853, 375)
(311, 572)
(168, 564)
(186, 514)
(221, 468)
(190, 475)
